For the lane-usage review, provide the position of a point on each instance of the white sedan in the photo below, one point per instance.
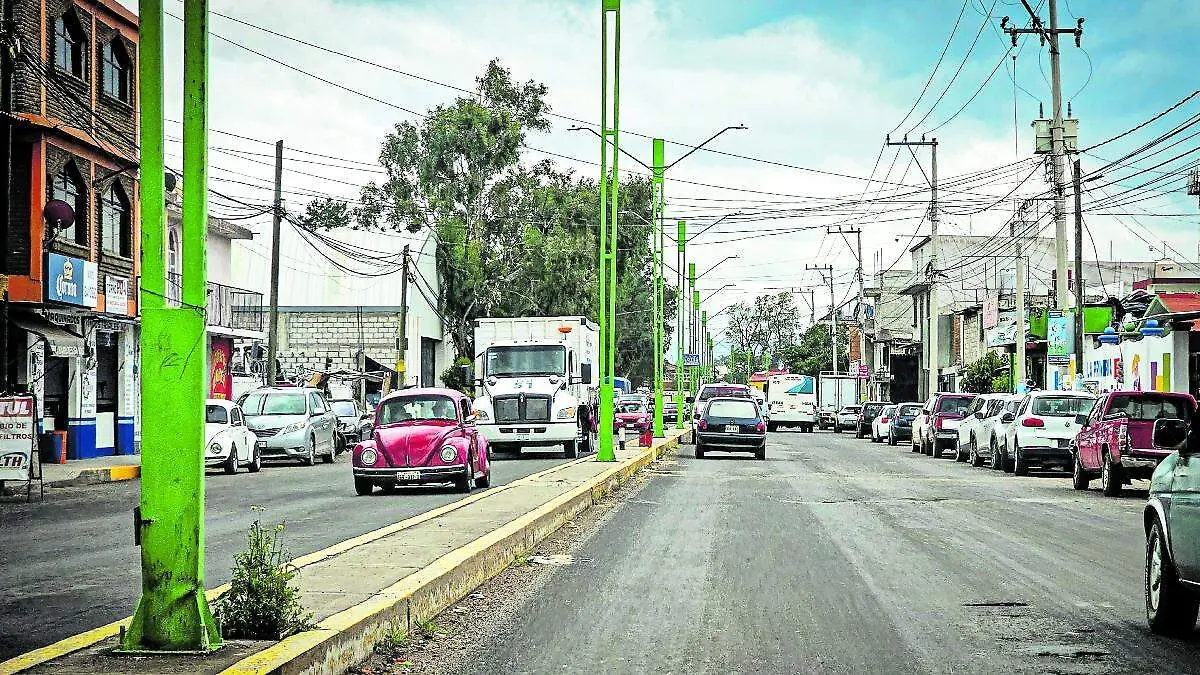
(881, 426)
(228, 443)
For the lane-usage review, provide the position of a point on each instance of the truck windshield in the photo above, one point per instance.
(526, 360)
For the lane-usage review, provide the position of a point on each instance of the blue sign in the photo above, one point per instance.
(72, 281)
(691, 359)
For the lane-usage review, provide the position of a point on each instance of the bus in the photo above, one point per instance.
(791, 402)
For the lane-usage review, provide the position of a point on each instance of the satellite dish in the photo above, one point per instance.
(169, 181)
(58, 214)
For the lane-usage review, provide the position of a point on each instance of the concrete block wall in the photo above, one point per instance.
(307, 339)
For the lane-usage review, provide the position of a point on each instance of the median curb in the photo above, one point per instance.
(348, 638)
(105, 474)
(419, 596)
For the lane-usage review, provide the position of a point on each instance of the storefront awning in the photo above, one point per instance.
(62, 342)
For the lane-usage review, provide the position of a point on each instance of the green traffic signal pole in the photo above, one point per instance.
(609, 209)
(658, 153)
(172, 613)
(680, 256)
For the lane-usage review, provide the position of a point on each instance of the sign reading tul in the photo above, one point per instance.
(17, 437)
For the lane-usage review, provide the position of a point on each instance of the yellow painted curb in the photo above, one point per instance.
(117, 473)
(329, 648)
(88, 638)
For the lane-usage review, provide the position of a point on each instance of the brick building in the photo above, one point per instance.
(73, 326)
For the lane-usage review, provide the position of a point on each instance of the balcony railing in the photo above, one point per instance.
(236, 308)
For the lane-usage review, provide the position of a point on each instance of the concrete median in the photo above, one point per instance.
(392, 579)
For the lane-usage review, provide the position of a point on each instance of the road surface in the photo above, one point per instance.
(69, 563)
(838, 555)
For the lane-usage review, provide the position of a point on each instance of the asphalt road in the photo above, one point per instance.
(69, 564)
(837, 555)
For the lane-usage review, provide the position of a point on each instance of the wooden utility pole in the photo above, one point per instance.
(1018, 379)
(273, 318)
(402, 337)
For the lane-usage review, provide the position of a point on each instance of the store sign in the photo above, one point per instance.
(116, 294)
(17, 437)
(220, 377)
(1060, 337)
(991, 311)
(73, 281)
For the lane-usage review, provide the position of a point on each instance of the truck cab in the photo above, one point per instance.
(535, 383)
(1116, 442)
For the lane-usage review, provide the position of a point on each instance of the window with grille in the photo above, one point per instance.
(115, 221)
(68, 186)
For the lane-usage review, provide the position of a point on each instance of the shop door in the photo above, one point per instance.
(107, 387)
(428, 362)
(58, 372)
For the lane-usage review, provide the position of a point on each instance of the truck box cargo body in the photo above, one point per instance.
(536, 381)
(835, 392)
(792, 401)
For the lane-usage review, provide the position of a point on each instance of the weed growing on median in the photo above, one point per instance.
(262, 603)
(429, 628)
(392, 641)
(521, 560)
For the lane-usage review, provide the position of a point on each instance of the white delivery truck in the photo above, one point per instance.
(535, 382)
(792, 402)
(834, 392)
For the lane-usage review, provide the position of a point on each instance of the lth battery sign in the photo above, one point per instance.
(17, 435)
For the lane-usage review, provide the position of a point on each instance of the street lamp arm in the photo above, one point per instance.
(706, 298)
(713, 224)
(730, 257)
(621, 150)
(710, 139)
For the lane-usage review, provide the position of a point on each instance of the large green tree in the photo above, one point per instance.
(813, 353)
(513, 239)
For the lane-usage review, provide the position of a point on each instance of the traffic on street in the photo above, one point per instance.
(869, 341)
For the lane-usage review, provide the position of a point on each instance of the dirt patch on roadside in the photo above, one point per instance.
(443, 645)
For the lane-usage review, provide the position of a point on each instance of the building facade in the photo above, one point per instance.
(72, 285)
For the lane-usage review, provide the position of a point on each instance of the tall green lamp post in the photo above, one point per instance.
(681, 240)
(658, 168)
(172, 613)
(609, 209)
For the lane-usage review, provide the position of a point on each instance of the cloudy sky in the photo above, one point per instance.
(819, 84)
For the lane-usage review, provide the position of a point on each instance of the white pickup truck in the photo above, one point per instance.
(535, 385)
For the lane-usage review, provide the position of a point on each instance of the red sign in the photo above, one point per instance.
(220, 378)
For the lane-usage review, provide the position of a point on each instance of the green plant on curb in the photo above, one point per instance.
(394, 640)
(262, 603)
(521, 560)
(429, 628)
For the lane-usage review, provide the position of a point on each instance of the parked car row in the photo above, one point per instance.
(1114, 438)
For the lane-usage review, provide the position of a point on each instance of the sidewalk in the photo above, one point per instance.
(95, 470)
(386, 580)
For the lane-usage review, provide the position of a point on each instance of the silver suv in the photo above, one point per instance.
(292, 423)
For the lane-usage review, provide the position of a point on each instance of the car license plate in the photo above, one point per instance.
(261, 445)
(1064, 443)
(732, 428)
(408, 475)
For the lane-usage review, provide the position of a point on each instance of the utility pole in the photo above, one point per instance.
(402, 338)
(172, 613)
(1057, 147)
(859, 314)
(609, 210)
(1080, 287)
(273, 316)
(827, 276)
(1020, 374)
(704, 344)
(680, 257)
(934, 307)
(693, 312)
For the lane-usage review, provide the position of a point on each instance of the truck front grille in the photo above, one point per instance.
(522, 408)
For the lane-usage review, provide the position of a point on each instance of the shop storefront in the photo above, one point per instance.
(82, 364)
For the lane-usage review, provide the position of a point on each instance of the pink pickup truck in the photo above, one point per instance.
(1115, 443)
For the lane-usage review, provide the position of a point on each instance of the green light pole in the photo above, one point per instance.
(693, 333)
(680, 256)
(658, 152)
(172, 613)
(609, 208)
(704, 347)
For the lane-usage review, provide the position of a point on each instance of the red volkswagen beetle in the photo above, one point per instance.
(422, 435)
